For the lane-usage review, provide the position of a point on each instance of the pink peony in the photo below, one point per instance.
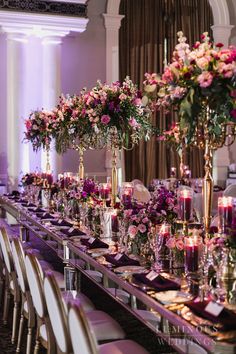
(205, 79)
(132, 231)
(142, 228)
(202, 63)
(105, 119)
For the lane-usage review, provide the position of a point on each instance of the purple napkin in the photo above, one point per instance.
(124, 260)
(159, 283)
(37, 210)
(74, 232)
(63, 223)
(227, 318)
(95, 244)
(30, 205)
(45, 216)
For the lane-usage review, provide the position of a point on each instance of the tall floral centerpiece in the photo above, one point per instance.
(39, 131)
(200, 84)
(106, 116)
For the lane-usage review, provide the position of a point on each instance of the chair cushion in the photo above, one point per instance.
(104, 326)
(97, 276)
(121, 347)
(83, 299)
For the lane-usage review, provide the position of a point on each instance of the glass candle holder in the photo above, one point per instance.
(185, 204)
(162, 252)
(192, 254)
(126, 192)
(104, 191)
(173, 172)
(225, 213)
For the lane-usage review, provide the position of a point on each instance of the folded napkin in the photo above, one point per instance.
(61, 223)
(227, 318)
(23, 201)
(124, 260)
(159, 283)
(73, 232)
(45, 216)
(96, 243)
(36, 210)
(30, 205)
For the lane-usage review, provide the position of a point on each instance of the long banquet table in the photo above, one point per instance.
(170, 321)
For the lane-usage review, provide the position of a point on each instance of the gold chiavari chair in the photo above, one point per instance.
(84, 341)
(103, 326)
(11, 282)
(27, 308)
(44, 333)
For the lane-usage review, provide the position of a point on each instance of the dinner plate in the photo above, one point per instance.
(97, 252)
(129, 269)
(173, 296)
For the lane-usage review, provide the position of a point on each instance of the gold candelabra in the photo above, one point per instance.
(81, 162)
(204, 138)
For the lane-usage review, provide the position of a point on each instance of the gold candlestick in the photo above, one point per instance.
(81, 163)
(114, 178)
(48, 166)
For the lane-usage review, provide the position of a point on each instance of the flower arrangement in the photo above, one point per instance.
(39, 128)
(105, 115)
(197, 79)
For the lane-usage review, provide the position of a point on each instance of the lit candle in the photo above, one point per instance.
(173, 172)
(191, 254)
(185, 204)
(162, 252)
(114, 222)
(225, 211)
(104, 191)
(126, 192)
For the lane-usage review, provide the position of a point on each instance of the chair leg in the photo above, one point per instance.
(37, 347)
(15, 316)
(20, 333)
(1, 288)
(6, 305)
(29, 341)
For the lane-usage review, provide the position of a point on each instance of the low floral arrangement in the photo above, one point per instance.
(198, 80)
(39, 129)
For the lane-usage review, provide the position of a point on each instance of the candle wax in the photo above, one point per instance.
(191, 258)
(185, 207)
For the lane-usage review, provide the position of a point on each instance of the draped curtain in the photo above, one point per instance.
(142, 35)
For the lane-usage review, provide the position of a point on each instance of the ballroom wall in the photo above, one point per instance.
(83, 61)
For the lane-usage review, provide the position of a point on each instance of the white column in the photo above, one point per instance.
(112, 25)
(221, 157)
(51, 87)
(17, 153)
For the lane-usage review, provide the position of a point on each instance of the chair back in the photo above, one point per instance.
(230, 191)
(18, 258)
(82, 337)
(6, 250)
(57, 313)
(35, 285)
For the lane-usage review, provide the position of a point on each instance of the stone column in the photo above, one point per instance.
(17, 153)
(51, 87)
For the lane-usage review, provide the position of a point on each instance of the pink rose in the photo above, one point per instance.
(205, 79)
(170, 242)
(179, 244)
(142, 228)
(145, 220)
(132, 231)
(105, 119)
(133, 123)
